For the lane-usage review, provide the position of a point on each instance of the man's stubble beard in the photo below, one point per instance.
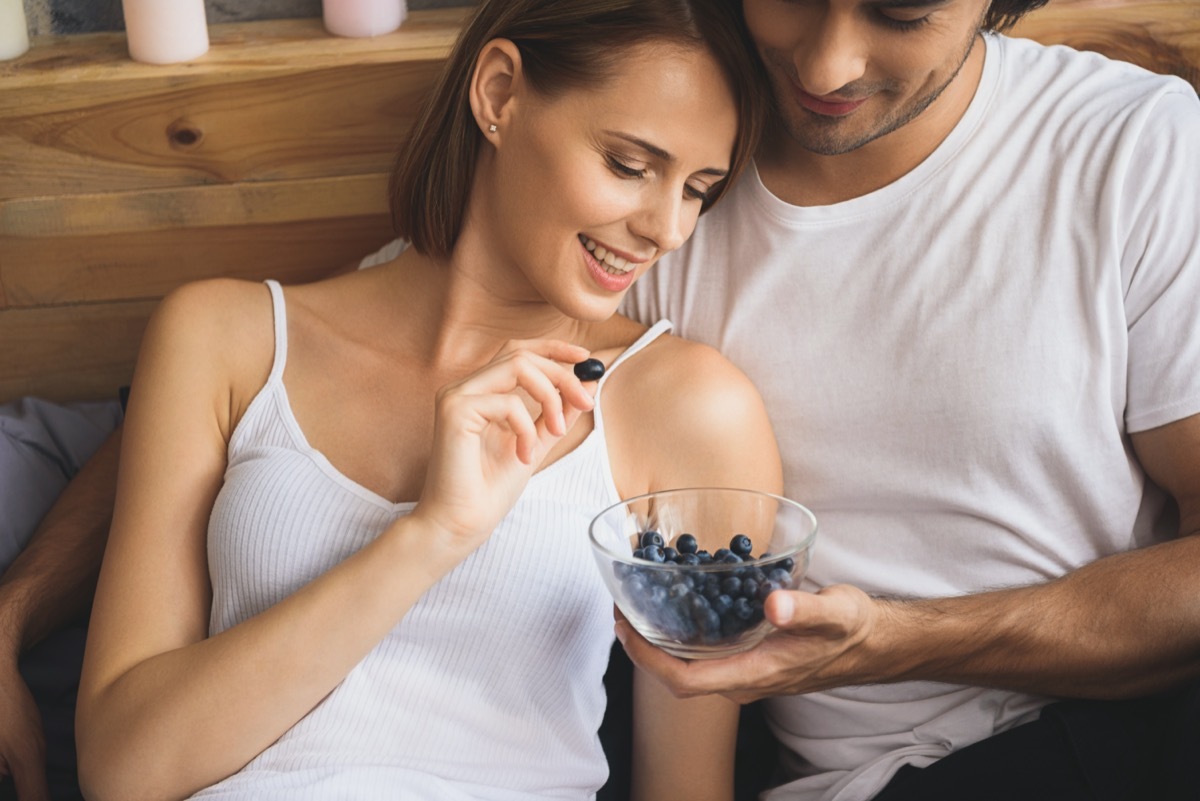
(819, 135)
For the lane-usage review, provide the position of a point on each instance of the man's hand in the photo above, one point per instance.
(818, 646)
(22, 744)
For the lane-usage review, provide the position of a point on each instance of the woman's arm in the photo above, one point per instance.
(163, 710)
(709, 428)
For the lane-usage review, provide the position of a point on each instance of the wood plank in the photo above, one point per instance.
(70, 353)
(337, 120)
(1161, 35)
(135, 266)
(246, 203)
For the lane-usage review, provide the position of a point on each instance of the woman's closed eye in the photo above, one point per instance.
(625, 170)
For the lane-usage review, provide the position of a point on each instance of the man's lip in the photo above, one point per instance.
(825, 107)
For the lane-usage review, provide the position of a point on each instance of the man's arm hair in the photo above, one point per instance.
(52, 581)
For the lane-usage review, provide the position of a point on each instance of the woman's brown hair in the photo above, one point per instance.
(564, 45)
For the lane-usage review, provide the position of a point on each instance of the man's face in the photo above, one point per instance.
(846, 72)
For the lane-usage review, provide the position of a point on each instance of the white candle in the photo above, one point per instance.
(363, 17)
(14, 34)
(165, 31)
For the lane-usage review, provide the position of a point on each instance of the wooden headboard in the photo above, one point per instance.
(268, 157)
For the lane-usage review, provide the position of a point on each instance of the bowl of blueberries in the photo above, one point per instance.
(691, 568)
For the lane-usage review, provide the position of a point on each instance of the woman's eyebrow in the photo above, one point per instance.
(910, 3)
(658, 152)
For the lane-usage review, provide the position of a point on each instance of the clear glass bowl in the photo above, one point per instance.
(701, 609)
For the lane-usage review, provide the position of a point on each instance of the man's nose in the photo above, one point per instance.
(832, 55)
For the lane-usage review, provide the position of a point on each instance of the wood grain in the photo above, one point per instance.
(1161, 35)
(268, 157)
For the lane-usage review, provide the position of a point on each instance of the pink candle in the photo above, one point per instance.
(165, 31)
(14, 33)
(363, 17)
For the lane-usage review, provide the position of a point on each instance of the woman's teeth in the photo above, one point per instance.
(612, 263)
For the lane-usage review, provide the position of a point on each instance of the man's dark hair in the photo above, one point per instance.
(1003, 14)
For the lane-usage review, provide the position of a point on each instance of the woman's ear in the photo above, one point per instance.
(494, 85)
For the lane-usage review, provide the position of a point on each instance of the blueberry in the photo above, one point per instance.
(686, 543)
(779, 576)
(750, 588)
(708, 624)
(788, 564)
(704, 556)
(720, 554)
(589, 370)
(638, 553)
(731, 559)
(722, 604)
(741, 545)
(732, 586)
(670, 554)
(651, 538)
(688, 559)
(636, 585)
(652, 553)
(663, 578)
(742, 609)
(678, 590)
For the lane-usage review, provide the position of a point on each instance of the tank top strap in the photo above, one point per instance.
(651, 334)
(280, 314)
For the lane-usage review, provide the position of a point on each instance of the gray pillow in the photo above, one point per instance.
(42, 446)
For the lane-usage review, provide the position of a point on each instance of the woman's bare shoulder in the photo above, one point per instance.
(214, 336)
(703, 416)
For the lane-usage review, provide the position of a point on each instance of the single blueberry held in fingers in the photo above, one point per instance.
(589, 370)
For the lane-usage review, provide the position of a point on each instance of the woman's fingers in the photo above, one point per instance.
(550, 384)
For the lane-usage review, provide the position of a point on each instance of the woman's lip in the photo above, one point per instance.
(634, 260)
(827, 108)
(606, 280)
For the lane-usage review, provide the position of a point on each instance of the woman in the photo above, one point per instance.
(349, 554)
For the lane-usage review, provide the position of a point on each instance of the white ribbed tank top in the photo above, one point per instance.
(489, 688)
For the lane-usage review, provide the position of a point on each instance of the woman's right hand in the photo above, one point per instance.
(488, 440)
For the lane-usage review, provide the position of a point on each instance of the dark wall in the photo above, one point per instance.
(85, 16)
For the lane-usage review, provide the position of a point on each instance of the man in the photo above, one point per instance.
(965, 276)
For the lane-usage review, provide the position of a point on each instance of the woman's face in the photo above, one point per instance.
(585, 191)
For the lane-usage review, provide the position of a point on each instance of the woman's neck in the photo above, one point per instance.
(462, 311)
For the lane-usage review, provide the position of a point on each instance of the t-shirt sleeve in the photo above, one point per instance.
(1159, 217)
(385, 254)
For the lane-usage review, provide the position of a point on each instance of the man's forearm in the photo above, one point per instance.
(53, 579)
(1122, 626)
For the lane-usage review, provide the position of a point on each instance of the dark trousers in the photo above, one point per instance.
(1145, 749)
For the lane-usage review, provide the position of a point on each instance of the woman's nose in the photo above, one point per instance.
(666, 220)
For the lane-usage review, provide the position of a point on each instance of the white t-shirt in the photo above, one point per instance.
(953, 364)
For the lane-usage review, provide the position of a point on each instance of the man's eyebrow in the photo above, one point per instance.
(658, 152)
